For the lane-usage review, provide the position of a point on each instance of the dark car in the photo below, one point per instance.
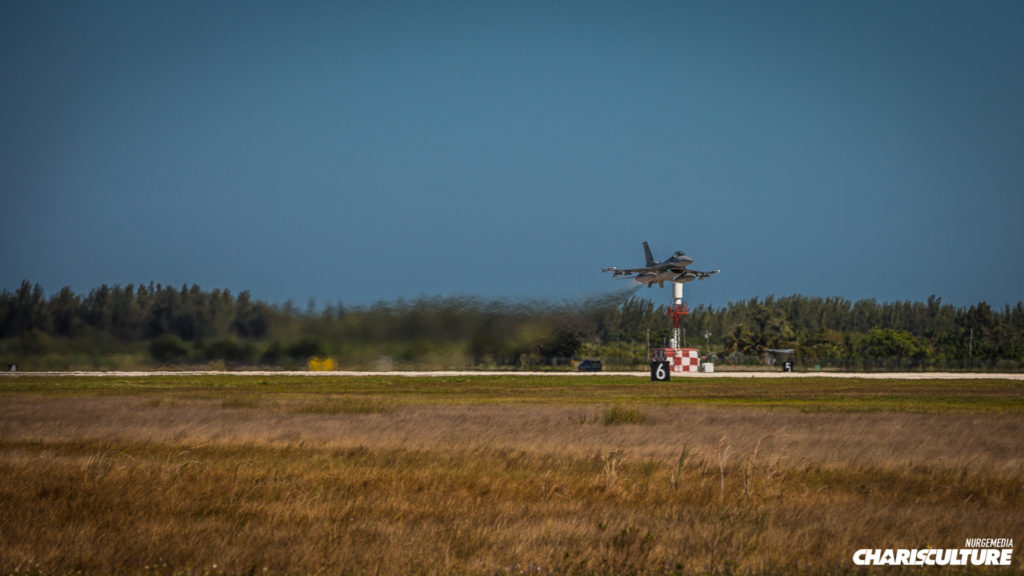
(590, 366)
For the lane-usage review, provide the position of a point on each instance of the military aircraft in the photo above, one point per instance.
(672, 269)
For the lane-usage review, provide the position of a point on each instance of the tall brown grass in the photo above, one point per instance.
(300, 484)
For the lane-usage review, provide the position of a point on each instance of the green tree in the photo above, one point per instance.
(26, 310)
(306, 348)
(251, 319)
(561, 344)
(889, 343)
(66, 309)
(168, 349)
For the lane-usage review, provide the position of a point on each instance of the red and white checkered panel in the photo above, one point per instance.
(684, 359)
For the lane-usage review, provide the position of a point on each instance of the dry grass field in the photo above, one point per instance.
(500, 475)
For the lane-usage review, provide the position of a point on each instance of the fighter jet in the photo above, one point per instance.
(672, 269)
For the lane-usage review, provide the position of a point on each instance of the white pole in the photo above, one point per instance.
(677, 300)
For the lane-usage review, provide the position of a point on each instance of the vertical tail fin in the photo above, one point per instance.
(647, 255)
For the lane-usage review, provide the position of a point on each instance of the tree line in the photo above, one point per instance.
(137, 326)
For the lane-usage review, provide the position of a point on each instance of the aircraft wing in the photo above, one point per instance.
(703, 275)
(626, 272)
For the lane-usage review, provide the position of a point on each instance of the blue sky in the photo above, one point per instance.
(365, 151)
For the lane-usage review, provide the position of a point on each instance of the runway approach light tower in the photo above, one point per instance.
(677, 311)
(675, 358)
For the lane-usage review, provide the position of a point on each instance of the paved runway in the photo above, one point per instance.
(643, 374)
